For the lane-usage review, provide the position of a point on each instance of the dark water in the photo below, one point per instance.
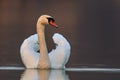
(19, 73)
(91, 26)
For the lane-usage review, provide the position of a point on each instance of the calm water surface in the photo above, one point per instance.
(19, 73)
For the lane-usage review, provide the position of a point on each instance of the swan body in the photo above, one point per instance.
(56, 59)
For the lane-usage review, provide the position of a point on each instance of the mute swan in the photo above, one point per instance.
(56, 59)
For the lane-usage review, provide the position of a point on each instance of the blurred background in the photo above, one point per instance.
(91, 26)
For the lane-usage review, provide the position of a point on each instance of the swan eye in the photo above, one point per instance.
(50, 19)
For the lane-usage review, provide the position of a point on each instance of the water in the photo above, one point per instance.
(20, 73)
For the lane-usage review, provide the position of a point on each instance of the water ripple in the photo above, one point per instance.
(94, 69)
(69, 69)
(11, 68)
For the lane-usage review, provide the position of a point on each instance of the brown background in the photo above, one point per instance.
(91, 26)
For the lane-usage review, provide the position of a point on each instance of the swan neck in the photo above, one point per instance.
(41, 37)
(44, 61)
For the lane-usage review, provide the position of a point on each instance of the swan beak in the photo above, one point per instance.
(52, 23)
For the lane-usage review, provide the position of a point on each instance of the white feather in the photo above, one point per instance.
(58, 57)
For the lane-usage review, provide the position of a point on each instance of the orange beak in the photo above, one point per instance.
(52, 23)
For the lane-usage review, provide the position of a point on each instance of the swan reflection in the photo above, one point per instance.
(32, 74)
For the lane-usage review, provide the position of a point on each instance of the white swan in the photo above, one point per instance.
(56, 59)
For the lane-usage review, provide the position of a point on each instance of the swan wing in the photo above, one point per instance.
(59, 56)
(28, 51)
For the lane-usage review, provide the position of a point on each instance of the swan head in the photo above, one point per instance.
(47, 20)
